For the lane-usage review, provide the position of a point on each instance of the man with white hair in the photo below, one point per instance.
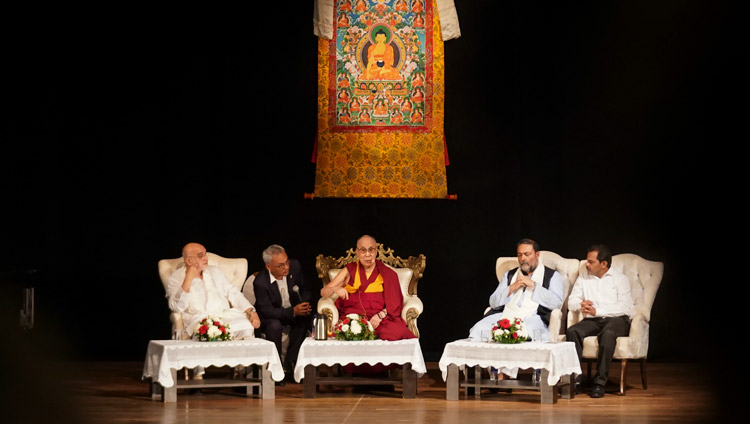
(282, 298)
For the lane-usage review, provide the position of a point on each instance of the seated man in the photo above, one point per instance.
(368, 287)
(603, 296)
(529, 292)
(280, 293)
(198, 290)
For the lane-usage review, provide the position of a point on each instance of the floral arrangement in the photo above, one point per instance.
(354, 327)
(212, 330)
(509, 331)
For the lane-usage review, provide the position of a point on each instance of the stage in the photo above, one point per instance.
(114, 392)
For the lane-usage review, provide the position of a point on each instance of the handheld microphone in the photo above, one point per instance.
(295, 289)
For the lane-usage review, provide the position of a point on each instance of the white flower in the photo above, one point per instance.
(213, 332)
(345, 328)
(352, 316)
(356, 328)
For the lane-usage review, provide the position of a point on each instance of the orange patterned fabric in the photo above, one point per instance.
(380, 103)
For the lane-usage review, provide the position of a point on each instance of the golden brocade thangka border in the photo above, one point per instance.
(381, 102)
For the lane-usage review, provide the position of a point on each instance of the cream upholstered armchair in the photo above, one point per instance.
(234, 268)
(409, 273)
(645, 277)
(568, 268)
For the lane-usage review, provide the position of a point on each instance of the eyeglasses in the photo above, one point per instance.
(364, 250)
(281, 265)
(201, 255)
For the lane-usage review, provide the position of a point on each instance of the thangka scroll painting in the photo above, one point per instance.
(380, 102)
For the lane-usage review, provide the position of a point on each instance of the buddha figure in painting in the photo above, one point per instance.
(380, 58)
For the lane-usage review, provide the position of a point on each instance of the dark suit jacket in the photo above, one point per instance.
(268, 298)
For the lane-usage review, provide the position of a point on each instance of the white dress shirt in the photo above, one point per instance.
(283, 290)
(610, 294)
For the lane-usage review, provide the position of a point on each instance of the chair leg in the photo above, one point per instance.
(623, 375)
(643, 373)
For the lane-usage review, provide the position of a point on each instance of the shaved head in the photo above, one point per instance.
(366, 237)
(191, 249)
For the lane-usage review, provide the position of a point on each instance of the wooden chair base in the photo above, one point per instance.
(623, 372)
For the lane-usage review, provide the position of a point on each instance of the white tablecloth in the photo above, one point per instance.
(557, 358)
(332, 352)
(165, 355)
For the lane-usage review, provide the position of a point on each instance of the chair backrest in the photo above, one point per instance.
(248, 289)
(644, 277)
(568, 268)
(234, 268)
(409, 270)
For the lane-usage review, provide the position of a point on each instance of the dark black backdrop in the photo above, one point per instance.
(570, 124)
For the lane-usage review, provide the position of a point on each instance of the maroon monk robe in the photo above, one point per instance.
(392, 327)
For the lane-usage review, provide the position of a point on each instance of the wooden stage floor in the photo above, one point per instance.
(113, 392)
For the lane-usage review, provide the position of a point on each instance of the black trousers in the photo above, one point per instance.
(607, 331)
(298, 330)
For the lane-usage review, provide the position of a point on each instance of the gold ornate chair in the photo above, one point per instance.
(234, 268)
(644, 277)
(409, 273)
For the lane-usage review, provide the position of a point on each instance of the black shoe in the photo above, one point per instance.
(279, 383)
(597, 391)
(578, 385)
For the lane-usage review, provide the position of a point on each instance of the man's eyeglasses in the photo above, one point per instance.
(281, 265)
(364, 250)
(201, 255)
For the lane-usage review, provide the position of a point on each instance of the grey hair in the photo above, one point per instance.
(271, 250)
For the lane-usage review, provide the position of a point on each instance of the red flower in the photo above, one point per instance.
(346, 320)
(504, 323)
(203, 329)
(515, 335)
(217, 323)
(223, 329)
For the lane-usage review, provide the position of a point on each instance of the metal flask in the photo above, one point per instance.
(321, 327)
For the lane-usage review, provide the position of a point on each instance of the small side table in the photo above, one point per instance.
(314, 353)
(165, 357)
(558, 361)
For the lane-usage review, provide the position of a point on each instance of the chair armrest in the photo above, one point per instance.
(327, 307)
(178, 324)
(639, 329)
(411, 310)
(411, 303)
(574, 317)
(555, 324)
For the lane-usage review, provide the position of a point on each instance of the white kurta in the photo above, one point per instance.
(523, 303)
(212, 295)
